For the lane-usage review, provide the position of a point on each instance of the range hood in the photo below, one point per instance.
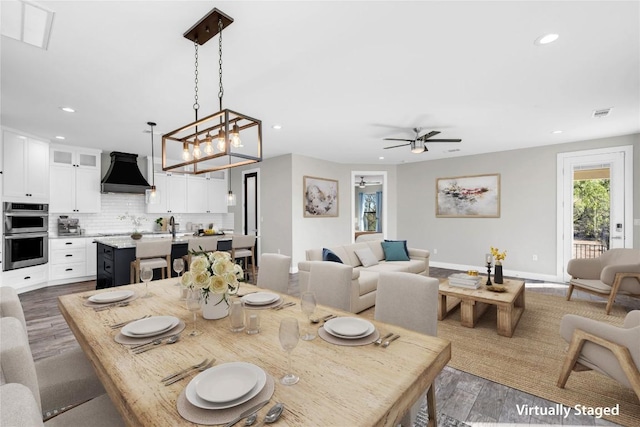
(123, 175)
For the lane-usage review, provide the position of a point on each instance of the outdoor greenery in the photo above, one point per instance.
(591, 209)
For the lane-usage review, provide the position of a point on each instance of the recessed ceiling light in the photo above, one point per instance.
(381, 158)
(276, 127)
(68, 109)
(59, 137)
(546, 39)
(556, 132)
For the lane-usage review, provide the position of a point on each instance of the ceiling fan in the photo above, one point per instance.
(418, 143)
(364, 183)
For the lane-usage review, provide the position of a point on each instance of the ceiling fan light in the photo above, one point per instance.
(417, 147)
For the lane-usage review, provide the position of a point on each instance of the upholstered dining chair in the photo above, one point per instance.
(615, 272)
(274, 272)
(10, 305)
(199, 245)
(55, 382)
(243, 247)
(19, 408)
(610, 350)
(152, 253)
(410, 301)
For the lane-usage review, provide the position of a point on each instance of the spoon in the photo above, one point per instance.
(273, 414)
(251, 419)
(322, 319)
(171, 340)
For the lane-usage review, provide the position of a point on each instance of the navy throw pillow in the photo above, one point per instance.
(329, 255)
(394, 251)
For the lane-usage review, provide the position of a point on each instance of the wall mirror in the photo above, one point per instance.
(368, 195)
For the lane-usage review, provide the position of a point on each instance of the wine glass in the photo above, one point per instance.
(289, 335)
(178, 266)
(146, 275)
(308, 305)
(194, 296)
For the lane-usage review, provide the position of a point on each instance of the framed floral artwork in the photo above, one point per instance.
(476, 196)
(320, 197)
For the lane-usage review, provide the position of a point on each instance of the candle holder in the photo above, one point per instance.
(489, 274)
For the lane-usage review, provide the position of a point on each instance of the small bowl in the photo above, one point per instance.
(472, 272)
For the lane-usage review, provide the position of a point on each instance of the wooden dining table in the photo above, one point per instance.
(339, 385)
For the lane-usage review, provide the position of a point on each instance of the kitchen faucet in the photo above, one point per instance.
(172, 223)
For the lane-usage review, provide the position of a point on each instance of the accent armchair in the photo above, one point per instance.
(610, 350)
(617, 271)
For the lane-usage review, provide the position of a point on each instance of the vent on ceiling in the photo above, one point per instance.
(602, 113)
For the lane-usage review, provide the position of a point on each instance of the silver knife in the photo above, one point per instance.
(246, 413)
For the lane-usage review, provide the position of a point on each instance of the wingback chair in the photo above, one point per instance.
(605, 348)
(617, 271)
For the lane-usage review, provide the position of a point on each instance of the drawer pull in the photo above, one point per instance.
(27, 278)
(69, 255)
(69, 269)
(68, 243)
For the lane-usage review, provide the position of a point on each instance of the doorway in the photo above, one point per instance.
(595, 191)
(368, 202)
(250, 205)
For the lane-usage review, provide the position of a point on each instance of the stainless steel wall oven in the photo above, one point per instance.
(26, 237)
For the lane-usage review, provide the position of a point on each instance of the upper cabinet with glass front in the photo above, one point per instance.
(75, 180)
(25, 168)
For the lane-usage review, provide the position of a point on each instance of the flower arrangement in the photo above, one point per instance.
(497, 255)
(213, 272)
(135, 220)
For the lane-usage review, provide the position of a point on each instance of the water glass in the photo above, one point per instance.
(178, 266)
(289, 334)
(308, 305)
(192, 301)
(146, 275)
(236, 315)
(252, 319)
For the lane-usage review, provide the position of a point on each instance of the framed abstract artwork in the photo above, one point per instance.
(320, 197)
(476, 196)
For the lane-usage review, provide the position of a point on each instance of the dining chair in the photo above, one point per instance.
(19, 408)
(199, 245)
(615, 272)
(274, 272)
(601, 347)
(152, 253)
(410, 301)
(10, 305)
(56, 382)
(243, 247)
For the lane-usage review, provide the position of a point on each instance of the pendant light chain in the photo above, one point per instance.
(221, 92)
(196, 105)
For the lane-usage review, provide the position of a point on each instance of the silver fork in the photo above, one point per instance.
(107, 307)
(382, 338)
(386, 343)
(196, 366)
(126, 322)
(183, 376)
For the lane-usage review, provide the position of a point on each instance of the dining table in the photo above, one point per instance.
(340, 385)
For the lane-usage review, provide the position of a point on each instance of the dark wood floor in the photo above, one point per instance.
(457, 393)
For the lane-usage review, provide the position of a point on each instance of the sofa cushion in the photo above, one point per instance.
(368, 281)
(366, 257)
(404, 243)
(329, 255)
(395, 251)
(376, 248)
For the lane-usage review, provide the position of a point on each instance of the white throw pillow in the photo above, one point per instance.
(366, 257)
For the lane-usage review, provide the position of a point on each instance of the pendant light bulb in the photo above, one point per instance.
(196, 148)
(235, 136)
(231, 199)
(221, 142)
(208, 148)
(186, 156)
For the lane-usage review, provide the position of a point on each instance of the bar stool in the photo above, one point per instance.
(152, 253)
(243, 247)
(200, 245)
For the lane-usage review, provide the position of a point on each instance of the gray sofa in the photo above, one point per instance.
(351, 286)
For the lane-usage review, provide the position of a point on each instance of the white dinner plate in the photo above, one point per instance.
(227, 382)
(193, 398)
(150, 326)
(260, 298)
(349, 327)
(107, 297)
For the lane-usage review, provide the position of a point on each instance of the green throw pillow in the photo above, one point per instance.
(394, 251)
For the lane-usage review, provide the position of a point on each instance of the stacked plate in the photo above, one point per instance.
(150, 327)
(109, 297)
(225, 386)
(349, 328)
(261, 298)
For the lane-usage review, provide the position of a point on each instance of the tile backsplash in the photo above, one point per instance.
(116, 205)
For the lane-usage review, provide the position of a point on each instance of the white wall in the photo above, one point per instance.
(527, 224)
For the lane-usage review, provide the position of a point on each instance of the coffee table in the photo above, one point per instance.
(475, 302)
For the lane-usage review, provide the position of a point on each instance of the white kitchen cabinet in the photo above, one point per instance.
(172, 193)
(75, 180)
(25, 168)
(67, 258)
(25, 279)
(206, 195)
(91, 256)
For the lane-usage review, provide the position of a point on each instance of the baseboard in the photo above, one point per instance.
(511, 273)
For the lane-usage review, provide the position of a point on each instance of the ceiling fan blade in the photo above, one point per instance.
(398, 139)
(443, 140)
(428, 135)
(396, 146)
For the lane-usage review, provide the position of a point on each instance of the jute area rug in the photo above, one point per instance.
(531, 360)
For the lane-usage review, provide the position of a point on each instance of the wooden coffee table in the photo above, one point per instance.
(474, 302)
